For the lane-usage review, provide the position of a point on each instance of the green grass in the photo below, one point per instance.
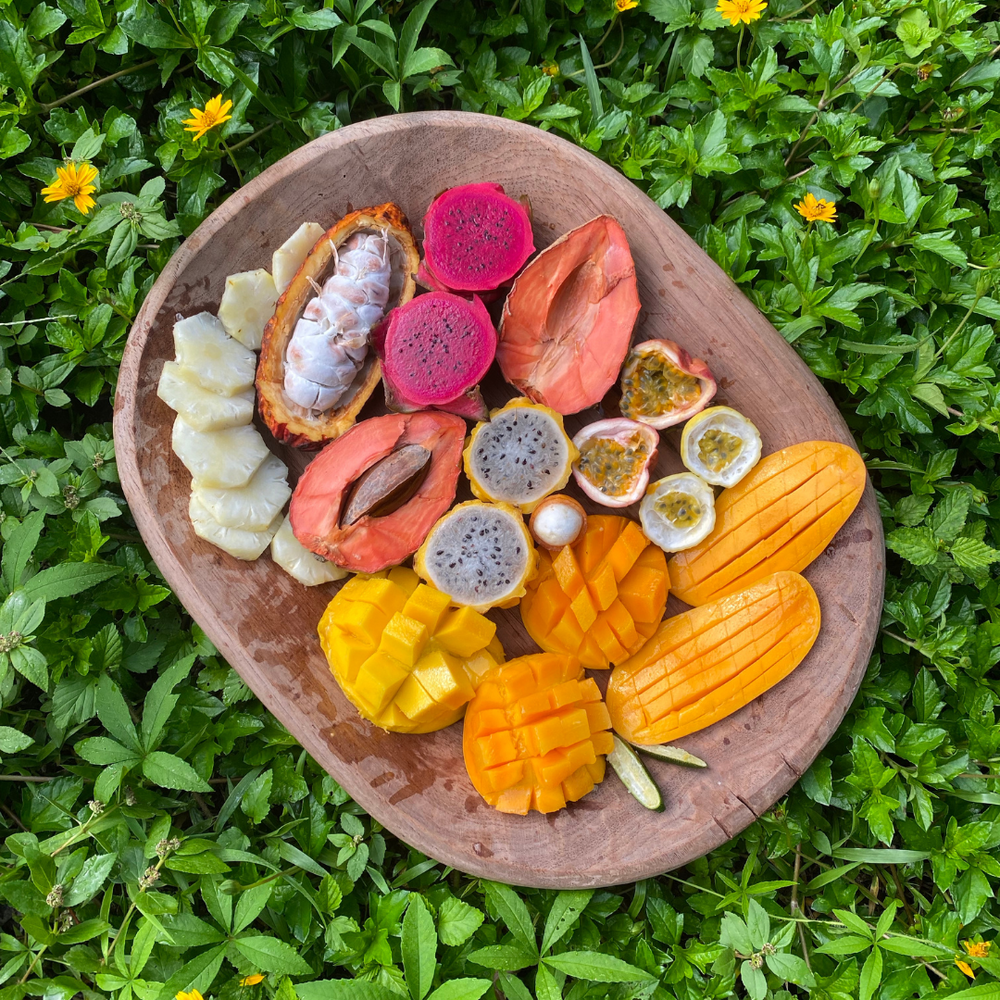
(166, 834)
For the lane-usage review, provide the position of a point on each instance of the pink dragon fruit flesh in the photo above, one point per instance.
(476, 238)
(434, 350)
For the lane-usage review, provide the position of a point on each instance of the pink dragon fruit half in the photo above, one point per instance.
(476, 238)
(434, 350)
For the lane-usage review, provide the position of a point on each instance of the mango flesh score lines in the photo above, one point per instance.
(781, 516)
(536, 734)
(709, 662)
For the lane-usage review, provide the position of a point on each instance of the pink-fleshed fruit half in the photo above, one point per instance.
(568, 319)
(476, 238)
(663, 385)
(615, 458)
(434, 352)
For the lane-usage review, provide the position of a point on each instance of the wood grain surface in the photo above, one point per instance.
(264, 622)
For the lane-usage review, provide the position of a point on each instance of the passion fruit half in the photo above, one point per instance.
(663, 385)
(720, 445)
(367, 501)
(678, 512)
(287, 421)
(615, 458)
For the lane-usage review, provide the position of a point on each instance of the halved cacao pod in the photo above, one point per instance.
(287, 421)
(335, 512)
(568, 319)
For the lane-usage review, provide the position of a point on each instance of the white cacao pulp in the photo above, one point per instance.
(330, 341)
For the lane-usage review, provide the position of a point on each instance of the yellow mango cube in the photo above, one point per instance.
(364, 621)
(346, 653)
(404, 578)
(464, 632)
(444, 679)
(414, 701)
(379, 680)
(404, 638)
(427, 605)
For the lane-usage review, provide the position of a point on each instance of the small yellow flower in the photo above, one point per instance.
(550, 68)
(252, 980)
(76, 182)
(190, 995)
(814, 209)
(741, 10)
(974, 949)
(623, 5)
(215, 113)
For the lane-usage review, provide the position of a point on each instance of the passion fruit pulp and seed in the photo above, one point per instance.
(717, 449)
(612, 466)
(681, 509)
(655, 387)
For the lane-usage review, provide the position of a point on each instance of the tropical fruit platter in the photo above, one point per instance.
(498, 493)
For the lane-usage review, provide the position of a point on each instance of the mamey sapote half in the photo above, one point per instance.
(601, 598)
(705, 664)
(390, 492)
(780, 516)
(405, 657)
(307, 426)
(434, 350)
(535, 734)
(476, 238)
(568, 318)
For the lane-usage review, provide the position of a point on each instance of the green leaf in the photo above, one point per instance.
(114, 713)
(791, 968)
(419, 948)
(596, 967)
(871, 974)
(18, 548)
(100, 750)
(509, 957)
(457, 921)
(12, 740)
(93, 875)
(754, 980)
(68, 579)
(169, 771)
(758, 924)
(256, 801)
(513, 912)
(902, 945)
(250, 905)
(564, 915)
(160, 701)
(593, 85)
(271, 955)
(916, 545)
(343, 989)
(124, 240)
(875, 856)
(972, 554)
(848, 944)
(461, 989)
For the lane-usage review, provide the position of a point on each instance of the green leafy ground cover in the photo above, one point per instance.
(165, 834)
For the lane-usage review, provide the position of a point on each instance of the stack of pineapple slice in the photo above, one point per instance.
(238, 488)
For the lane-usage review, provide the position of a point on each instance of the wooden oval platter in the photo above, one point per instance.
(264, 622)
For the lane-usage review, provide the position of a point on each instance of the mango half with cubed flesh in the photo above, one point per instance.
(405, 657)
(781, 516)
(705, 664)
(601, 598)
(535, 734)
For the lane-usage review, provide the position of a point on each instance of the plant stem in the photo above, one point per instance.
(98, 83)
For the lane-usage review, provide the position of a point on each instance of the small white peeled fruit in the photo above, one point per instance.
(720, 445)
(296, 560)
(215, 361)
(678, 511)
(203, 409)
(288, 258)
(247, 304)
(221, 459)
(237, 542)
(254, 506)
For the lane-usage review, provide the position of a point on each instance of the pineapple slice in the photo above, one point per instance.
(296, 560)
(237, 542)
(216, 361)
(288, 258)
(202, 409)
(247, 304)
(220, 459)
(254, 506)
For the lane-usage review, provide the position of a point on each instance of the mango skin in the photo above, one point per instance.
(781, 516)
(707, 663)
